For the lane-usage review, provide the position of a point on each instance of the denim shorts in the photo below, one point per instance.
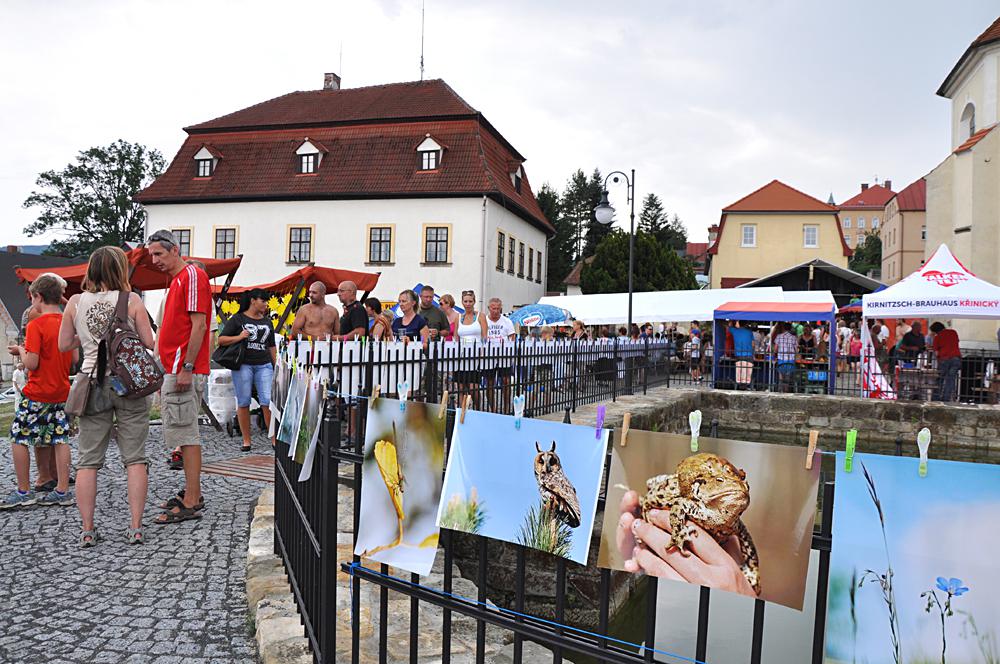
(249, 376)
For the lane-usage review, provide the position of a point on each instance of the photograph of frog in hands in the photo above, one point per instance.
(734, 515)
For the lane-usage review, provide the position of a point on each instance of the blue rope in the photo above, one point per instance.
(551, 623)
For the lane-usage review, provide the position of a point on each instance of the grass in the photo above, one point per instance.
(6, 417)
(542, 530)
(467, 516)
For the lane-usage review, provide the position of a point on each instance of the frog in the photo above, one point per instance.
(710, 491)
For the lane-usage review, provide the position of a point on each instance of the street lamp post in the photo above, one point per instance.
(605, 214)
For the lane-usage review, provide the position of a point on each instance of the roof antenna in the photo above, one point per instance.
(340, 67)
(422, 5)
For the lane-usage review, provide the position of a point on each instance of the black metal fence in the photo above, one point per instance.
(306, 513)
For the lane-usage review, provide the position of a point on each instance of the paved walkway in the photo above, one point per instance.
(180, 598)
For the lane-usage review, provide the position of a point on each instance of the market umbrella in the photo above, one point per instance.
(534, 315)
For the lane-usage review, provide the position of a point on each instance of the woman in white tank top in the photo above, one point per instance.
(471, 330)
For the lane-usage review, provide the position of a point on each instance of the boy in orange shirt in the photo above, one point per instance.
(40, 418)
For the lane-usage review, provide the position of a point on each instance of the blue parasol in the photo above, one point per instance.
(534, 315)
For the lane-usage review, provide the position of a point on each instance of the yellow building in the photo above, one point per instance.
(773, 228)
(904, 232)
(864, 212)
(963, 192)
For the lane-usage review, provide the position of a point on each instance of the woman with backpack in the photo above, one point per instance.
(85, 324)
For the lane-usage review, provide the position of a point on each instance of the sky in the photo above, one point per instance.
(706, 101)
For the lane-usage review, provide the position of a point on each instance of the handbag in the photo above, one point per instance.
(79, 393)
(230, 357)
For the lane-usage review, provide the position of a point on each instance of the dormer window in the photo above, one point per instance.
(205, 160)
(516, 176)
(429, 154)
(310, 155)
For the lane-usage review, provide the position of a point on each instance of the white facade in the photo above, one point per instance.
(340, 232)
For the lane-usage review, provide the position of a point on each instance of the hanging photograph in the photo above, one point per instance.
(913, 570)
(312, 409)
(279, 389)
(735, 516)
(291, 414)
(401, 485)
(536, 485)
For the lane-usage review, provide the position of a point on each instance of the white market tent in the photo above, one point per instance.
(671, 306)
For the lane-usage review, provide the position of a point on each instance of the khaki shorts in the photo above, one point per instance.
(130, 416)
(180, 411)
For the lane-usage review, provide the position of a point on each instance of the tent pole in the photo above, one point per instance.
(296, 294)
(229, 282)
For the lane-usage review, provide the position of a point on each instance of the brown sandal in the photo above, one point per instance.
(181, 514)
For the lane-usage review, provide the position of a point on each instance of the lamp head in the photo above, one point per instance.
(604, 213)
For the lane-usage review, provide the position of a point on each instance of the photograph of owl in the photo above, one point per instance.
(558, 493)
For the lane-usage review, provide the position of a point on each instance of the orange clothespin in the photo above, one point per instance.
(626, 423)
(444, 404)
(465, 406)
(811, 450)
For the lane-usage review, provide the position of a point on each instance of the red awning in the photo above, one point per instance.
(145, 276)
(330, 276)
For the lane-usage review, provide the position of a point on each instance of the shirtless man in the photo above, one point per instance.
(317, 319)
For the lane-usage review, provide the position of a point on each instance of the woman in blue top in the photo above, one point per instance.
(410, 325)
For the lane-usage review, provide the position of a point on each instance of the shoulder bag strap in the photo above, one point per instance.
(121, 311)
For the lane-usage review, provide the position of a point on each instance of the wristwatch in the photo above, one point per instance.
(188, 366)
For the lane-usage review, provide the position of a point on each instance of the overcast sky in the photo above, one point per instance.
(706, 100)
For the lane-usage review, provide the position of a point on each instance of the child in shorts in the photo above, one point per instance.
(40, 416)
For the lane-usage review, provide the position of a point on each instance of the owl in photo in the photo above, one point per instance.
(558, 493)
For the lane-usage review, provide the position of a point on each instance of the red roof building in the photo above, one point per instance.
(865, 211)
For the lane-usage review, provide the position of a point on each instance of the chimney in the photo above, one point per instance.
(887, 184)
(864, 186)
(13, 249)
(331, 81)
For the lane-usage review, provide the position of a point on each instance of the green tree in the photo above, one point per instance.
(596, 231)
(673, 234)
(560, 245)
(868, 254)
(657, 267)
(91, 201)
(579, 198)
(652, 218)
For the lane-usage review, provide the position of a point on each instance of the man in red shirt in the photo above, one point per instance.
(183, 348)
(40, 418)
(949, 361)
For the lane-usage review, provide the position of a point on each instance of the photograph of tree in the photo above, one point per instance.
(913, 569)
(735, 516)
(401, 485)
(536, 485)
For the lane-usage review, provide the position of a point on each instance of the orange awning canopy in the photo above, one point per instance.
(145, 276)
(330, 276)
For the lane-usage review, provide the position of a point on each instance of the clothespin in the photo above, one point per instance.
(626, 423)
(465, 406)
(444, 404)
(600, 421)
(375, 392)
(694, 419)
(518, 410)
(852, 441)
(923, 444)
(403, 389)
(811, 451)
(323, 390)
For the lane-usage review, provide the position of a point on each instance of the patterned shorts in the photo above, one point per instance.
(38, 424)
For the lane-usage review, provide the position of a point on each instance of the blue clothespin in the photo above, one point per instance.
(518, 410)
(403, 388)
(923, 444)
(694, 419)
(600, 421)
(852, 441)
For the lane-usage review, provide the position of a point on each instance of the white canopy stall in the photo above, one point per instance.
(942, 288)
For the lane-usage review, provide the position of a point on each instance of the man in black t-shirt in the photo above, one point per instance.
(354, 322)
(912, 344)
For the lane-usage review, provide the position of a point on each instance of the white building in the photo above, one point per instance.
(404, 179)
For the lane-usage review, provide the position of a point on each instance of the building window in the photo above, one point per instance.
(968, 121)
(380, 244)
(874, 222)
(204, 168)
(847, 222)
(428, 160)
(520, 259)
(923, 233)
(861, 223)
(225, 243)
(307, 163)
(501, 247)
(538, 270)
(300, 245)
(436, 244)
(517, 181)
(810, 236)
(531, 263)
(748, 235)
(511, 246)
(183, 236)
(847, 239)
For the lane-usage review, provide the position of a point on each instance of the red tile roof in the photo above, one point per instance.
(573, 278)
(777, 196)
(733, 282)
(872, 197)
(364, 159)
(696, 250)
(975, 138)
(914, 197)
(989, 36)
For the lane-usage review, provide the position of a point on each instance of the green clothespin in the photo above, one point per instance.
(923, 443)
(694, 419)
(852, 440)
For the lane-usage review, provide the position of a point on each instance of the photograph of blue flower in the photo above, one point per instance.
(534, 485)
(913, 567)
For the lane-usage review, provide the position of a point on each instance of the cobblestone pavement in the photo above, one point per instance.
(180, 598)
